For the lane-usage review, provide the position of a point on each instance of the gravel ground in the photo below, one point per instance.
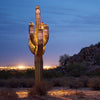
(60, 93)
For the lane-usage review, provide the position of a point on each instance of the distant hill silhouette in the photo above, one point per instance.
(88, 56)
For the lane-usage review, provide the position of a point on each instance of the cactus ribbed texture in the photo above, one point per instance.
(38, 39)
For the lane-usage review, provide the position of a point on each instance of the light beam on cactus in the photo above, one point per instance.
(38, 39)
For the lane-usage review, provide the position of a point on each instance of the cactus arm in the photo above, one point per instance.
(45, 34)
(32, 39)
(44, 49)
(31, 46)
(45, 40)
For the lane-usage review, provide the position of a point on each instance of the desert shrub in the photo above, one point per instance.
(15, 83)
(2, 83)
(12, 83)
(27, 83)
(71, 82)
(8, 94)
(48, 73)
(94, 83)
(94, 73)
(76, 69)
(58, 82)
(68, 81)
(76, 83)
(5, 74)
(30, 73)
(84, 80)
(51, 74)
(39, 89)
(18, 74)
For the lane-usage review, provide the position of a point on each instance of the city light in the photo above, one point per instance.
(49, 67)
(22, 67)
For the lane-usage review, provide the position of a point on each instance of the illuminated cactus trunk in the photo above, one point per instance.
(39, 64)
(38, 38)
(38, 69)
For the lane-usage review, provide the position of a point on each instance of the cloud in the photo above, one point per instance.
(72, 17)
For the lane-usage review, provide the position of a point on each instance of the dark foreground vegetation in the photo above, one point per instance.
(72, 76)
(38, 92)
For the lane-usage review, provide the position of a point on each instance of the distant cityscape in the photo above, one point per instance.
(24, 67)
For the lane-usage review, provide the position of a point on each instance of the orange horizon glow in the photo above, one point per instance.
(23, 67)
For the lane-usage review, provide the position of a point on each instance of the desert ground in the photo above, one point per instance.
(61, 93)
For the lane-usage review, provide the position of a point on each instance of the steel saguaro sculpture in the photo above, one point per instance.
(38, 39)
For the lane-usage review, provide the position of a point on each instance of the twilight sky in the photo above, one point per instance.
(73, 24)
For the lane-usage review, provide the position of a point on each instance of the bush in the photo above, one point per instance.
(71, 82)
(94, 73)
(76, 83)
(8, 94)
(58, 82)
(52, 73)
(27, 83)
(15, 83)
(39, 89)
(84, 80)
(76, 69)
(2, 83)
(5, 74)
(30, 73)
(94, 83)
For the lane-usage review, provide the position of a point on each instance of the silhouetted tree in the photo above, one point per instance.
(64, 60)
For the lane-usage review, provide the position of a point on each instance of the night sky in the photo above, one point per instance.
(73, 24)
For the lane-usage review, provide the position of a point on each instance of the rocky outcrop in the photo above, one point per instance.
(87, 55)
